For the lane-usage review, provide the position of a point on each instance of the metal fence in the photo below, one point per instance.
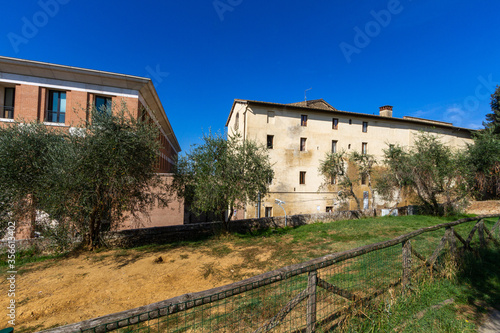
(314, 296)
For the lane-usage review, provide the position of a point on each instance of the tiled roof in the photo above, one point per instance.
(315, 104)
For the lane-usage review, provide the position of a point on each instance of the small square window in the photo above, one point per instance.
(303, 120)
(303, 144)
(329, 209)
(364, 148)
(270, 141)
(334, 146)
(302, 178)
(365, 126)
(269, 212)
(335, 123)
(103, 104)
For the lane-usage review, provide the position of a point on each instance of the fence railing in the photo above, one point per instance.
(313, 296)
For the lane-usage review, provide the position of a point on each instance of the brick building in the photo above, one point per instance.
(60, 96)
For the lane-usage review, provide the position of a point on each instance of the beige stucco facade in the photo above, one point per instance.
(285, 123)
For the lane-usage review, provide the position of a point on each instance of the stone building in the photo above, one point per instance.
(299, 135)
(59, 96)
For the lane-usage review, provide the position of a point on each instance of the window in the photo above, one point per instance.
(56, 111)
(303, 120)
(270, 141)
(269, 212)
(329, 209)
(363, 179)
(364, 147)
(335, 123)
(270, 181)
(237, 122)
(103, 104)
(302, 178)
(334, 146)
(365, 126)
(8, 104)
(303, 144)
(333, 180)
(350, 121)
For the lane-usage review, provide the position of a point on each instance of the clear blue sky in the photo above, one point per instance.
(433, 59)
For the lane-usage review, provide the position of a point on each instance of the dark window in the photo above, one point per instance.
(8, 103)
(270, 181)
(364, 147)
(334, 146)
(363, 179)
(270, 141)
(237, 122)
(329, 209)
(333, 180)
(56, 112)
(350, 121)
(103, 104)
(303, 144)
(302, 178)
(303, 120)
(269, 211)
(365, 126)
(335, 123)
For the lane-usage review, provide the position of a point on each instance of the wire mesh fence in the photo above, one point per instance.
(314, 296)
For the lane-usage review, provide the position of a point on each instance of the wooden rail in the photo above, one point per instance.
(187, 301)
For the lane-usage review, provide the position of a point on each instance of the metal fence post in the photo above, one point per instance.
(406, 279)
(311, 301)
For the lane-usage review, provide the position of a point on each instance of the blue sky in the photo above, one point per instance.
(430, 59)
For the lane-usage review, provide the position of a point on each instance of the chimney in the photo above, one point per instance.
(386, 111)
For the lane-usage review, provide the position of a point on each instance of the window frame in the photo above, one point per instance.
(364, 148)
(364, 129)
(272, 141)
(58, 112)
(302, 177)
(8, 109)
(303, 120)
(303, 144)
(334, 146)
(268, 211)
(335, 123)
(108, 102)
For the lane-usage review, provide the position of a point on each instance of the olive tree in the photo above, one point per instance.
(222, 174)
(439, 176)
(334, 169)
(27, 152)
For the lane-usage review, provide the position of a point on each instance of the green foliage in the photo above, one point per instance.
(484, 160)
(493, 119)
(223, 173)
(84, 182)
(439, 176)
(27, 152)
(334, 167)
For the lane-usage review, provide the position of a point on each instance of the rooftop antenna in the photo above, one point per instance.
(305, 95)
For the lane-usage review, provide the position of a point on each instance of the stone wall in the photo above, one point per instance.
(193, 232)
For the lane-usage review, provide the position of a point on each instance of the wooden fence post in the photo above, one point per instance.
(311, 301)
(406, 265)
(452, 242)
(480, 231)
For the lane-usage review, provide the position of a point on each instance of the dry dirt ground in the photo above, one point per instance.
(89, 285)
(484, 207)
